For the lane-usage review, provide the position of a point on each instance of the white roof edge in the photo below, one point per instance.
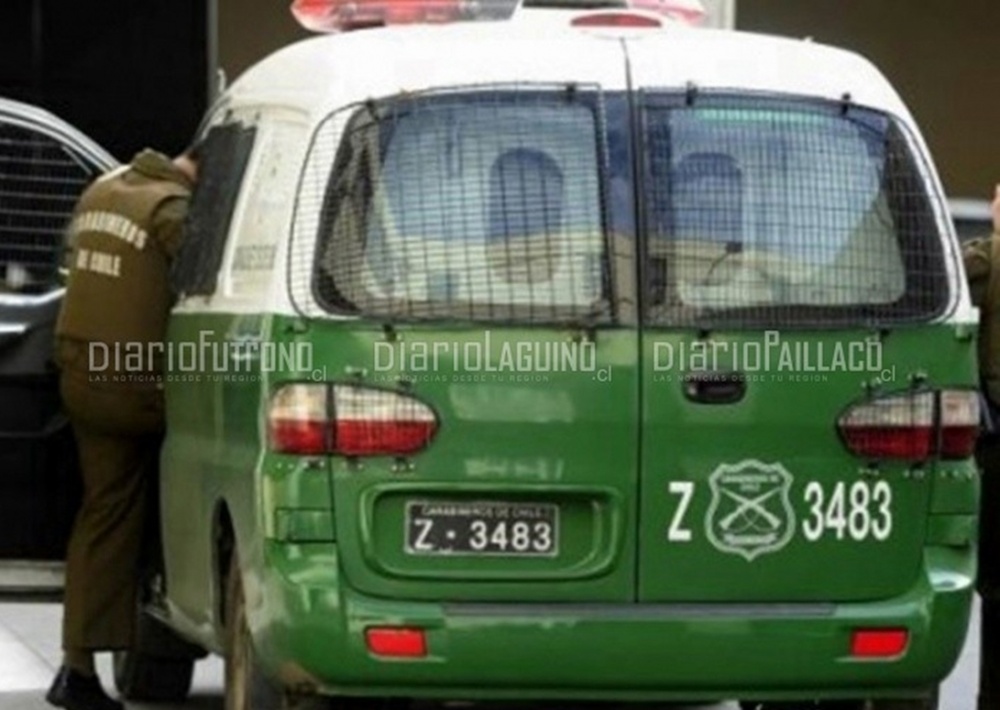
(309, 73)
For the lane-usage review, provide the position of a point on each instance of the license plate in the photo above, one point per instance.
(482, 529)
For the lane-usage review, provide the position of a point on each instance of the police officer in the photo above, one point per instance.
(982, 264)
(125, 232)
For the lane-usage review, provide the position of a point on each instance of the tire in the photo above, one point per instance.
(928, 703)
(144, 678)
(804, 705)
(159, 667)
(246, 686)
(931, 702)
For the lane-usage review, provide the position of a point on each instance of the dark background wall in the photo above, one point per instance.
(249, 30)
(129, 74)
(943, 58)
(133, 74)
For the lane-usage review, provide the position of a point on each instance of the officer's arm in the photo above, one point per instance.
(976, 254)
(168, 225)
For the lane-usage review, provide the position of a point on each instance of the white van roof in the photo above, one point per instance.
(322, 74)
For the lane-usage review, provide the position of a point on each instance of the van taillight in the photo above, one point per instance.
(298, 420)
(959, 423)
(348, 420)
(371, 422)
(913, 426)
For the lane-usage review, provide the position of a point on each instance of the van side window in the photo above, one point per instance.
(268, 200)
(483, 205)
(40, 181)
(224, 157)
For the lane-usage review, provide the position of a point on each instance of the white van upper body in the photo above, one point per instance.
(322, 74)
(304, 83)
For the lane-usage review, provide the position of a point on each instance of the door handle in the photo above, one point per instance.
(715, 387)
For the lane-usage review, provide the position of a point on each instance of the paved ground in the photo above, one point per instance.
(29, 654)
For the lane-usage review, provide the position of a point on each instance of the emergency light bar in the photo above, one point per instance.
(688, 11)
(345, 15)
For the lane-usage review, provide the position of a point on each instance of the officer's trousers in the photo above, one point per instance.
(118, 430)
(988, 457)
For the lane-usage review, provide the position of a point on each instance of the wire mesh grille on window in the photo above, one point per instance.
(474, 204)
(40, 182)
(764, 212)
(225, 152)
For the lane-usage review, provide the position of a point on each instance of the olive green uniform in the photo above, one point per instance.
(124, 233)
(982, 264)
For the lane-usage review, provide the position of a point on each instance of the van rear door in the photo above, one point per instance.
(793, 356)
(468, 230)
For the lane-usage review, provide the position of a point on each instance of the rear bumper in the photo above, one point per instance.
(311, 634)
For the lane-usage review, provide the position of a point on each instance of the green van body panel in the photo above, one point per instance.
(322, 539)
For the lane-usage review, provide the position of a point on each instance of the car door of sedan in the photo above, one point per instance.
(44, 166)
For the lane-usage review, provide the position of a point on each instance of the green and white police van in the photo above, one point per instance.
(578, 356)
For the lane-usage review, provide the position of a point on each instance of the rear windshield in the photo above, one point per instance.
(483, 206)
(762, 212)
(738, 212)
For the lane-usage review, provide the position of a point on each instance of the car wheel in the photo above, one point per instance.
(145, 678)
(371, 704)
(804, 705)
(159, 666)
(246, 686)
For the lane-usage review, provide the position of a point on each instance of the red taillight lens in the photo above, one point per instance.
(615, 19)
(349, 420)
(959, 423)
(879, 643)
(914, 427)
(379, 422)
(298, 420)
(898, 427)
(396, 642)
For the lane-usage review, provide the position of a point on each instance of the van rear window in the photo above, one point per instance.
(481, 205)
(784, 213)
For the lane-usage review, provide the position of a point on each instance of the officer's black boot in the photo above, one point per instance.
(989, 655)
(74, 691)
